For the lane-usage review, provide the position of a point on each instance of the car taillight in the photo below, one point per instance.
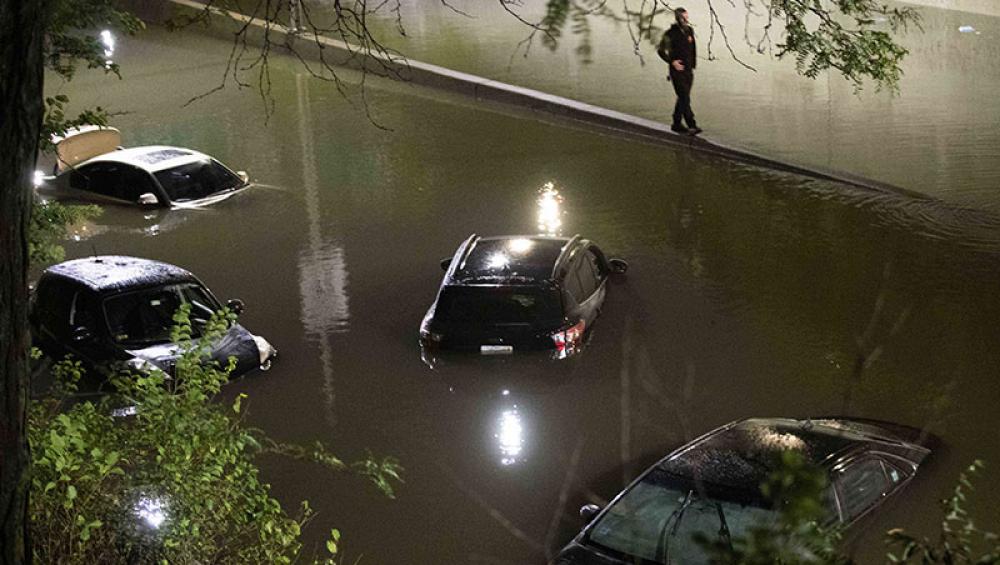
(568, 340)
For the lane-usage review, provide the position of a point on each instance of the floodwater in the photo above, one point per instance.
(747, 294)
(940, 136)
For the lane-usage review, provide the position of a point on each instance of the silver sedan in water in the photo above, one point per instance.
(92, 166)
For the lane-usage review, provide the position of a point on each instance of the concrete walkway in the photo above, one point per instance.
(984, 7)
(479, 88)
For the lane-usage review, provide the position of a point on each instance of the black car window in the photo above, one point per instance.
(114, 180)
(145, 317)
(589, 278)
(896, 475)
(655, 521)
(862, 485)
(598, 262)
(84, 312)
(53, 304)
(197, 180)
(573, 284)
(498, 305)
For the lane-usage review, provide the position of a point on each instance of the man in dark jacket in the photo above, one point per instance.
(679, 50)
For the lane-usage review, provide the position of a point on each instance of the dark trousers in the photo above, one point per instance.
(683, 81)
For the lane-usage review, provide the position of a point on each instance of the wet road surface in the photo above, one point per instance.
(940, 136)
(747, 294)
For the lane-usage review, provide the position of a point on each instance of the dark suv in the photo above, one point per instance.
(114, 311)
(524, 292)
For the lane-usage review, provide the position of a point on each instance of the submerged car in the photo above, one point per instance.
(519, 292)
(92, 166)
(114, 312)
(712, 486)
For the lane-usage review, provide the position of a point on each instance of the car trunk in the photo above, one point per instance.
(470, 317)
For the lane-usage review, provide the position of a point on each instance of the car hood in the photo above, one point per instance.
(236, 342)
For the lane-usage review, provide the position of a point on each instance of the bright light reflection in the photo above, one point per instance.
(497, 261)
(549, 210)
(510, 437)
(519, 245)
(120, 412)
(152, 511)
(109, 46)
(773, 439)
(38, 179)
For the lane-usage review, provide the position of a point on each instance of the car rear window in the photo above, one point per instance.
(197, 180)
(498, 305)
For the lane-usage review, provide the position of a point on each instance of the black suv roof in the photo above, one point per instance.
(117, 272)
(510, 259)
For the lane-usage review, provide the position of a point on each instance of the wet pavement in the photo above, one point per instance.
(746, 296)
(940, 136)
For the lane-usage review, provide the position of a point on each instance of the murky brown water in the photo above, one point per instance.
(746, 293)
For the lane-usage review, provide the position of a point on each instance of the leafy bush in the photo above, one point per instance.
(796, 489)
(50, 222)
(158, 472)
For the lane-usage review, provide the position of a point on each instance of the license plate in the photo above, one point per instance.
(496, 349)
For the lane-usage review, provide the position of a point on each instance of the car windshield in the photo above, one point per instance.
(197, 180)
(145, 317)
(657, 519)
(498, 305)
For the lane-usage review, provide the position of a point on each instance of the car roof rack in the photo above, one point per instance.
(564, 255)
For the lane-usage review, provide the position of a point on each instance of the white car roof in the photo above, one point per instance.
(151, 158)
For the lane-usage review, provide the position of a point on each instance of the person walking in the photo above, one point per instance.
(679, 50)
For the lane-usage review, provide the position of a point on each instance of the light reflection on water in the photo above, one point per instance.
(152, 511)
(510, 436)
(550, 210)
(746, 291)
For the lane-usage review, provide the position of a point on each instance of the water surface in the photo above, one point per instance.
(746, 296)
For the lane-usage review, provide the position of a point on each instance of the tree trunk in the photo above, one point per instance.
(22, 24)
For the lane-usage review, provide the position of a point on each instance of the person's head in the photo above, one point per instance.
(681, 15)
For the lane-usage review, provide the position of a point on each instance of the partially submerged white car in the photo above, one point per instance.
(92, 166)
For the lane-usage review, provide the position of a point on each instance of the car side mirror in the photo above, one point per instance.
(588, 511)
(236, 306)
(445, 263)
(81, 334)
(148, 199)
(618, 266)
(243, 176)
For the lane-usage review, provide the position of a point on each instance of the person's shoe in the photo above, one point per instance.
(694, 131)
(677, 128)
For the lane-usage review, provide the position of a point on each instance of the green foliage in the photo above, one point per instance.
(171, 479)
(70, 38)
(858, 50)
(56, 123)
(854, 37)
(49, 224)
(796, 490)
(959, 541)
